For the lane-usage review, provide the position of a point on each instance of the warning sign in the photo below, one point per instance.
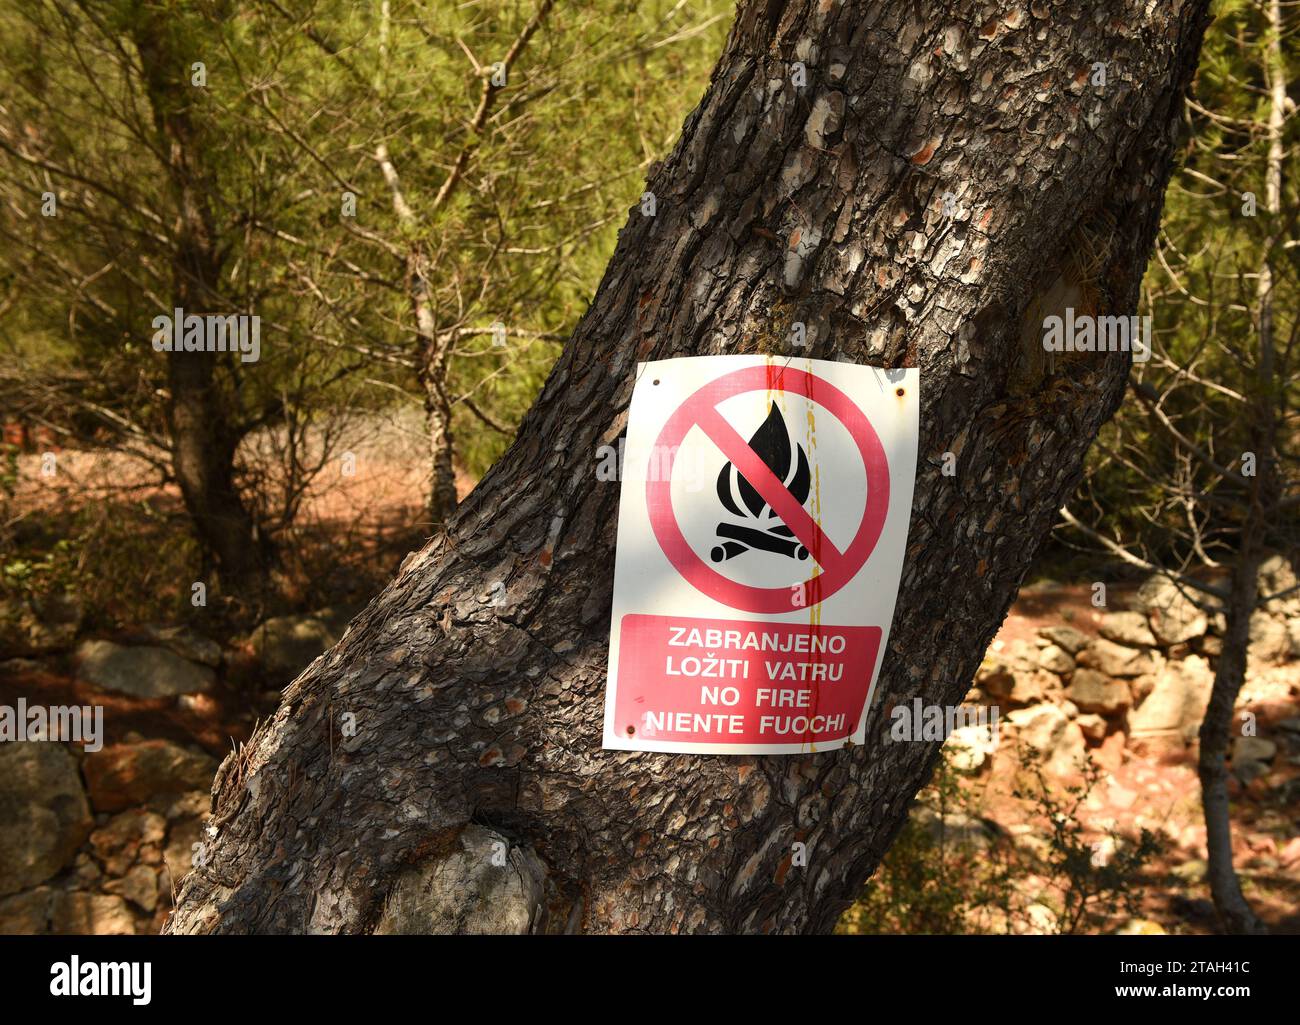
(762, 523)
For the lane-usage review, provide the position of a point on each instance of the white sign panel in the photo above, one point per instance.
(761, 530)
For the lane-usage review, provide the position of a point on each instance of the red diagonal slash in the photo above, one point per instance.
(767, 484)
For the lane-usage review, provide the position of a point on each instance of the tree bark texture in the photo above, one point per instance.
(476, 678)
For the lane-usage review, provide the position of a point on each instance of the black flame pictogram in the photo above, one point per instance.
(739, 497)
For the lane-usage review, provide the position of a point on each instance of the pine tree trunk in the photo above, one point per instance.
(437, 418)
(1235, 913)
(472, 791)
(203, 460)
(201, 414)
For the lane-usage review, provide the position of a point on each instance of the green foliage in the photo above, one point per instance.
(953, 871)
(299, 102)
(1085, 888)
(935, 880)
(1209, 374)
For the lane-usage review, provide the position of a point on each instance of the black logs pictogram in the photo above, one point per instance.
(763, 529)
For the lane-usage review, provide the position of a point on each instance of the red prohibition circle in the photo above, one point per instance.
(700, 409)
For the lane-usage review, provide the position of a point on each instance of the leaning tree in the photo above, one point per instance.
(920, 185)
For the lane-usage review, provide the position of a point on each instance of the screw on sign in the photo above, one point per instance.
(749, 614)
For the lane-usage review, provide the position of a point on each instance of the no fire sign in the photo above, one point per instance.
(762, 523)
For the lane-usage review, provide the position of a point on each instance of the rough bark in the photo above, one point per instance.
(476, 678)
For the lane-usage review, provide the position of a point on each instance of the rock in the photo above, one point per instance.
(1141, 686)
(117, 844)
(27, 914)
(1293, 635)
(179, 853)
(1017, 680)
(1275, 576)
(128, 774)
(1093, 692)
(1031, 687)
(1093, 727)
(86, 871)
(286, 645)
(968, 747)
(468, 891)
(1056, 659)
(1248, 771)
(1174, 618)
(1253, 749)
(1049, 733)
(44, 817)
(1174, 708)
(1040, 920)
(140, 672)
(202, 705)
(1113, 659)
(1110, 754)
(993, 676)
(1065, 637)
(186, 643)
(194, 804)
(139, 886)
(91, 914)
(955, 828)
(1127, 628)
(1270, 642)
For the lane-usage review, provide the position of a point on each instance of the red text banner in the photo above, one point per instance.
(720, 681)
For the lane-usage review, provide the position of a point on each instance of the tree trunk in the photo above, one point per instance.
(437, 412)
(441, 767)
(1235, 913)
(203, 459)
(201, 419)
